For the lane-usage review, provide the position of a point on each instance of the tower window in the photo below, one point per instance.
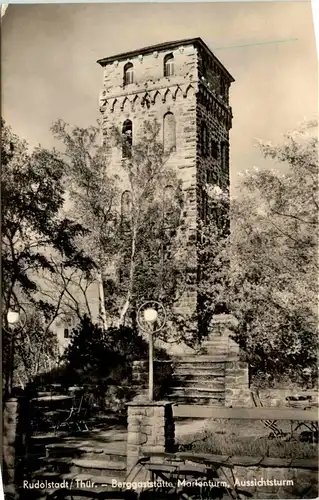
(224, 155)
(127, 134)
(128, 74)
(169, 65)
(204, 140)
(66, 333)
(214, 149)
(169, 132)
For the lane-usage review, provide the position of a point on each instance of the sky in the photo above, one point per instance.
(49, 69)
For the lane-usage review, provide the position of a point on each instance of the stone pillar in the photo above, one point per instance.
(237, 392)
(150, 428)
(10, 445)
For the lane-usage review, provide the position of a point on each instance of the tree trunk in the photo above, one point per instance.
(131, 281)
(102, 302)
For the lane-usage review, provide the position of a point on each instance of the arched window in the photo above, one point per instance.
(127, 133)
(128, 74)
(126, 208)
(169, 132)
(169, 65)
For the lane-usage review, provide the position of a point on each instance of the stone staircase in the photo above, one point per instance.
(87, 460)
(199, 380)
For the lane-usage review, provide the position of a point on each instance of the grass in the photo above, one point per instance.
(236, 437)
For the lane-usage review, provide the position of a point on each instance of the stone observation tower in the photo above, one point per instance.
(186, 88)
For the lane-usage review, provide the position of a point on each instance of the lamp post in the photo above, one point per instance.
(148, 314)
(15, 321)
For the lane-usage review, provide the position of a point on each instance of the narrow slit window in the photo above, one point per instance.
(204, 139)
(224, 156)
(169, 138)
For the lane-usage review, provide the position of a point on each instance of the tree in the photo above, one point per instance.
(32, 198)
(151, 257)
(32, 223)
(36, 349)
(92, 196)
(70, 289)
(274, 284)
(134, 244)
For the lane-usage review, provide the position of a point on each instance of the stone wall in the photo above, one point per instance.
(197, 93)
(237, 392)
(150, 428)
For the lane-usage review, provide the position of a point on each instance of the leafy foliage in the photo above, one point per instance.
(32, 198)
(96, 353)
(138, 256)
(274, 266)
(153, 236)
(105, 359)
(33, 227)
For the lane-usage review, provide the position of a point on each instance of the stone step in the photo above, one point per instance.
(117, 450)
(187, 400)
(218, 341)
(61, 465)
(205, 374)
(47, 437)
(99, 468)
(201, 392)
(72, 451)
(192, 366)
(202, 382)
(212, 351)
(203, 358)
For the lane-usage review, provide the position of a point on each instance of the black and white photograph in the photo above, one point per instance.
(159, 244)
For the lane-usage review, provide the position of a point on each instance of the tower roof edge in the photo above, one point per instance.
(164, 46)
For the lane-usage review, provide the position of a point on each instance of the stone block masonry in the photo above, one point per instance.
(150, 428)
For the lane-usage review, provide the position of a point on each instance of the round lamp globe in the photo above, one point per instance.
(150, 315)
(13, 317)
